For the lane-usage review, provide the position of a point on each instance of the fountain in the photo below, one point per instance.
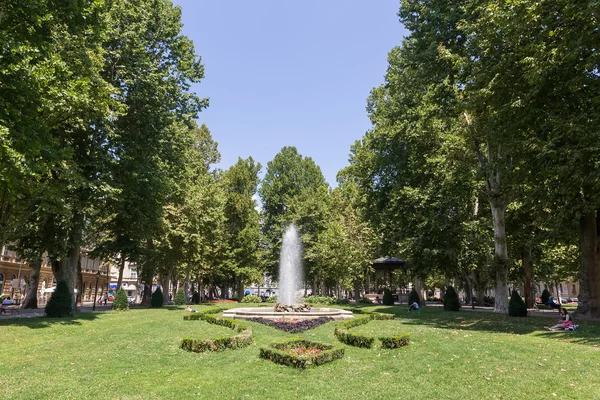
(290, 280)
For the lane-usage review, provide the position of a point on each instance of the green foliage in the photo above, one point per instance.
(545, 296)
(276, 353)
(251, 298)
(272, 299)
(180, 297)
(157, 298)
(343, 334)
(516, 305)
(387, 297)
(60, 303)
(364, 300)
(394, 342)
(121, 302)
(451, 302)
(413, 296)
(244, 338)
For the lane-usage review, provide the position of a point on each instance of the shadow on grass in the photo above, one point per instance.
(45, 322)
(587, 334)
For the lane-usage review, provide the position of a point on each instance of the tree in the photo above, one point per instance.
(242, 228)
(293, 190)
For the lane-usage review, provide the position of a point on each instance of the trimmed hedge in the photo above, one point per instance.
(388, 300)
(394, 342)
(157, 298)
(180, 297)
(343, 334)
(451, 302)
(121, 302)
(201, 345)
(414, 296)
(275, 352)
(516, 305)
(60, 304)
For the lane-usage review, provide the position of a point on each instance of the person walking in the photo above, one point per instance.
(105, 298)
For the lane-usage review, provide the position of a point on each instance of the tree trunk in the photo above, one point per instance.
(79, 296)
(357, 285)
(164, 282)
(121, 269)
(468, 289)
(323, 289)
(500, 256)
(313, 289)
(148, 269)
(32, 290)
(529, 288)
(240, 289)
(419, 290)
(186, 286)
(589, 274)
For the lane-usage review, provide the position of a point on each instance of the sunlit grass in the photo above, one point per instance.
(135, 355)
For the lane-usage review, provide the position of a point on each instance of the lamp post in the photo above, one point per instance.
(96, 291)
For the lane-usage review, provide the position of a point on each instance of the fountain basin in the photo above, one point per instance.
(269, 313)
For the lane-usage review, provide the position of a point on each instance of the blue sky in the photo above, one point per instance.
(290, 73)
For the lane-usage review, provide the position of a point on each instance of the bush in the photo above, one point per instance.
(271, 299)
(387, 297)
(157, 299)
(516, 305)
(343, 334)
(251, 299)
(180, 297)
(342, 301)
(414, 296)
(60, 303)
(196, 298)
(545, 296)
(279, 353)
(364, 300)
(393, 342)
(121, 302)
(451, 302)
(199, 345)
(320, 299)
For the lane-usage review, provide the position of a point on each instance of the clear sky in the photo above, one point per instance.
(290, 73)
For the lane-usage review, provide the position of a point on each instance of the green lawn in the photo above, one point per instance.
(135, 355)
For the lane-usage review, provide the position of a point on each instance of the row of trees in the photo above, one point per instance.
(482, 163)
(99, 148)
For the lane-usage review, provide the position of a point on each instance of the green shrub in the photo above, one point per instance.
(157, 298)
(196, 298)
(394, 342)
(320, 300)
(201, 345)
(60, 303)
(451, 302)
(276, 353)
(364, 300)
(272, 299)
(414, 296)
(180, 297)
(516, 305)
(121, 302)
(343, 334)
(387, 297)
(545, 296)
(342, 301)
(251, 298)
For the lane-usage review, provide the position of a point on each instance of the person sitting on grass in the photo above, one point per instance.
(190, 309)
(564, 323)
(413, 306)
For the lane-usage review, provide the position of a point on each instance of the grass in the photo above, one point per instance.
(136, 355)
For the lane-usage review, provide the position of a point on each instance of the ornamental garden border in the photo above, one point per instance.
(283, 353)
(243, 339)
(343, 334)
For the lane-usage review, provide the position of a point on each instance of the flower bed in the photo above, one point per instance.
(201, 345)
(300, 353)
(343, 334)
(294, 325)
